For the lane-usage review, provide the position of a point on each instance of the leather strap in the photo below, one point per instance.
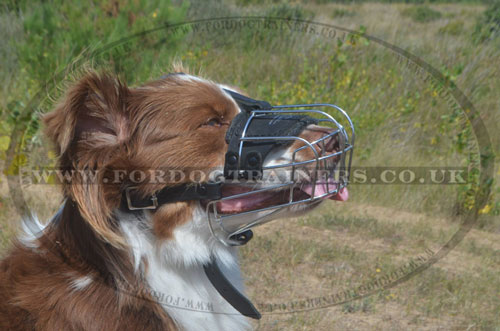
(248, 104)
(229, 292)
(132, 201)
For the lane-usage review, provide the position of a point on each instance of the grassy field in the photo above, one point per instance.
(401, 120)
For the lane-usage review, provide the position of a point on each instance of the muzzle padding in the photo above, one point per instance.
(249, 163)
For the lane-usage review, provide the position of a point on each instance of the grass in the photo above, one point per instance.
(453, 28)
(421, 14)
(488, 25)
(342, 12)
(400, 120)
(458, 292)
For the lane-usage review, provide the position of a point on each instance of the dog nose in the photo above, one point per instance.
(331, 143)
(324, 139)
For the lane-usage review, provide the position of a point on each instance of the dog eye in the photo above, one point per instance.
(213, 122)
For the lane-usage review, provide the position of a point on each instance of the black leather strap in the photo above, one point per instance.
(229, 292)
(186, 192)
(248, 104)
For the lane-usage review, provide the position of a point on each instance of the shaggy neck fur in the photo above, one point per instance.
(174, 271)
(152, 284)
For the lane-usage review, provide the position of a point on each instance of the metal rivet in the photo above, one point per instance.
(202, 190)
(253, 161)
(232, 159)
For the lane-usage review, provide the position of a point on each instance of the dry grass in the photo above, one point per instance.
(352, 244)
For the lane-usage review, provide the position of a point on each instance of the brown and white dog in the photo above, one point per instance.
(94, 267)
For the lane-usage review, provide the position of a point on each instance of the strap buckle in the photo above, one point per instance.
(153, 198)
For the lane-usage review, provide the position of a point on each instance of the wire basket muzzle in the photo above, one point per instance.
(318, 168)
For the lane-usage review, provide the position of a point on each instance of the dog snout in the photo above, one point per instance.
(321, 141)
(331, 143)
(326, 138)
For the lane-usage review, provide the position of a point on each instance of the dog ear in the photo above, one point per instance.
(90, 128)
(94, 110)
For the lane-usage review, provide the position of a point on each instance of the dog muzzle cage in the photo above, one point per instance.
(261, 130)
(257, 139)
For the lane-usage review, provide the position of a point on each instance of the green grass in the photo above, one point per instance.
(387, 1)
(421, 14)
(342, 12)
(454, 28)
(488, 24)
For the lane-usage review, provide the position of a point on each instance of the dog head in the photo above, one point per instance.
(167, 132)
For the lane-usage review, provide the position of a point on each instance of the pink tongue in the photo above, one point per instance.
(343, 195)
(322, 189)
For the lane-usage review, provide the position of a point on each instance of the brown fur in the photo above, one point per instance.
(37, 292)
(102, 125)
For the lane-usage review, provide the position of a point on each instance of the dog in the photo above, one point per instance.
(97, 266)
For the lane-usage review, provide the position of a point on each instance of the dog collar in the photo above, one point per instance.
(131, 200)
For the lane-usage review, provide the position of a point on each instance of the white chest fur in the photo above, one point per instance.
(176, 276)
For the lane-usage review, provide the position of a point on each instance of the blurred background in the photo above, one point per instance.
(401, 120)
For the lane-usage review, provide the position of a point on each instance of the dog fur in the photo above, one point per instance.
(93, 267)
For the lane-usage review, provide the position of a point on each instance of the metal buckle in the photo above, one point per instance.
(129, 201)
